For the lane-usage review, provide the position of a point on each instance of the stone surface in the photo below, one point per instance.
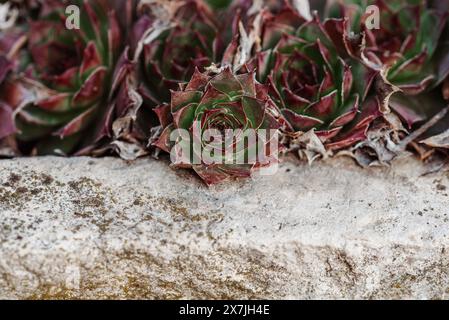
(104, 228)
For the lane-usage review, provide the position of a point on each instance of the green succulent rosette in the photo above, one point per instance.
(60, 96)
(314, 85)
(404, 39)
(189, 39)
(221, 103)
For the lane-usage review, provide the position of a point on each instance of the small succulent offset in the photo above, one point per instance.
(220, 103)
(60, 97)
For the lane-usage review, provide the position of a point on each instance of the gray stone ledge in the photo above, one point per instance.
(104, 228)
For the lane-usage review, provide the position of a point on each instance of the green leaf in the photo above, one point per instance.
(57, 146)
(219, 4)
(428, 35)
(254, 111)
(37, 116)
(185, 116)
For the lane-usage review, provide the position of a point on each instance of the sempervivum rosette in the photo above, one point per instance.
(318, 90)
(404, 41)
(59, 100)
(214, 107)
(178, 36)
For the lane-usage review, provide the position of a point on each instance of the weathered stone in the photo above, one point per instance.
(104, 228)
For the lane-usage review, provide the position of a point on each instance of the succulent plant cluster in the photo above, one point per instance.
(127, 75)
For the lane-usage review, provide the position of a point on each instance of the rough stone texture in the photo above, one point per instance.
(91, 228)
